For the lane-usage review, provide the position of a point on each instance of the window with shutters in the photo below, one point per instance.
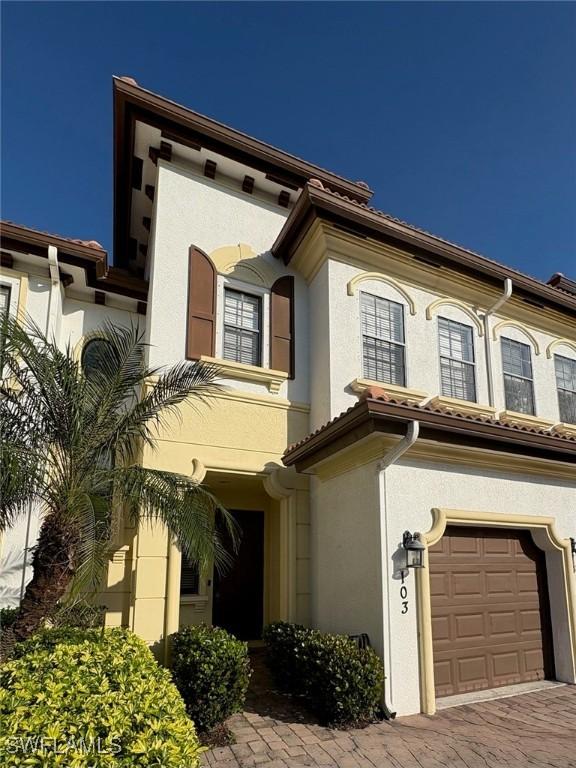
(383, 342)
(457, 374)
(189, 577)
(242, 327)
(518, 377)
(566, 384)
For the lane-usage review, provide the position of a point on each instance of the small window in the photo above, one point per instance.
(242, 327)
(383, 340)
(518, 378)
(566, 384)
(189, 577)
(457, 374)
(5, 294)
(92, 355)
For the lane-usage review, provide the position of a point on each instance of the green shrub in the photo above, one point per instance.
(7, 617)
(74, 698)
(212, 671)
(341, 683)
(284, 645)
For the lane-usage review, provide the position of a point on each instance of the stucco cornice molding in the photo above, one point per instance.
(378, 277)
(198, 471)
(242, 263)
(559, 343)
(497, 330)
(280, 482)
(433, 307)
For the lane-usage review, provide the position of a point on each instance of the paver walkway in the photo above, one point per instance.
(534, 729)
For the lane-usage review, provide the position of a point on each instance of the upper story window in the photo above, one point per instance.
(457, 374)
(566, 383)
(383, 340)
(518, 377)
(5, 295)
(242, 327)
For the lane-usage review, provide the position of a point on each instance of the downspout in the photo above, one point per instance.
(50, 328)
(51, 323)
(387, 461)
(487, 347)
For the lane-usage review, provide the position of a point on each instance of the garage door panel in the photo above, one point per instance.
(489, 597)
(466, 584)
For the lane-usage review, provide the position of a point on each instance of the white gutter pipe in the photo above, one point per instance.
(52, 321)
(51, 327)
(387, 461)
(487, 347)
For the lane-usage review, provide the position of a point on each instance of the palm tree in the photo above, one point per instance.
(72, 440)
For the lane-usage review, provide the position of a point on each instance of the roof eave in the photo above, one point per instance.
(132, 102)
(370, 416)
(315, 202)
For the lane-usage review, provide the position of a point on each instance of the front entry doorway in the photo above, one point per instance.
(238, 603)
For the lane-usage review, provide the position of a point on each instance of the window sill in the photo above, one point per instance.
(562, 428)
(463, 406)
(412, 396)
(525, 420)
(232, 370)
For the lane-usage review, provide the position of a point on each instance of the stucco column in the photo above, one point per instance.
(173, 569)
(283, 485)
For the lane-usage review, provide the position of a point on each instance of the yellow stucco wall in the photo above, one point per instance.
(240, 436)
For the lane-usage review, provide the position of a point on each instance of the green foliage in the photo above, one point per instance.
(212, 671)
(72, 440)
(97, 697)
(341, 683)
(7, 617)
(79, 614)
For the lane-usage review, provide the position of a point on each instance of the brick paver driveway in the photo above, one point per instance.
(534, 729)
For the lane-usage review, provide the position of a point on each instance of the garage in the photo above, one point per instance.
(490, 611)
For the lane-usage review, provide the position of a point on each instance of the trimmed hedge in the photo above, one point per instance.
(211, 670)
(91, 699)
(342, 684)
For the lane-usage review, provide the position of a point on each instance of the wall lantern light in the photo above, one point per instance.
(414, 550)
(573, 549)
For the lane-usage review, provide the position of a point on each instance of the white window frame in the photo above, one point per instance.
(403, 344)
(263, 294)
(563, 389)
(13, 283)
(471, 363)
(514, 375)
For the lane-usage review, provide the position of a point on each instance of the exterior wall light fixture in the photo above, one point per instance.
(573, 550)
(414, 550)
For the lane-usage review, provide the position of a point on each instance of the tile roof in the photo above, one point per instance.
(375, 395)
(86, 243)
(319, 185)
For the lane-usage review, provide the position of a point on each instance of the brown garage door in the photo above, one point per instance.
(490, 613)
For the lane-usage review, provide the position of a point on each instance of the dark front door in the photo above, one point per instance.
(239, 594)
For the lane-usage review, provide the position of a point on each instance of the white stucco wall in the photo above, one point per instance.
(346, 546)
(193, 210)
(343, 336)
(353, 579)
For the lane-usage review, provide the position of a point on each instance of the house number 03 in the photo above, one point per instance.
(404, 594)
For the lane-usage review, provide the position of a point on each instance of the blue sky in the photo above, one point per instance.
(461, 116)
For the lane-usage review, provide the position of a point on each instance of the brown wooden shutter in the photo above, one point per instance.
(201, 328)
(282, 325)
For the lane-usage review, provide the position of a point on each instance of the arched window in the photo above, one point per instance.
(93, 353)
